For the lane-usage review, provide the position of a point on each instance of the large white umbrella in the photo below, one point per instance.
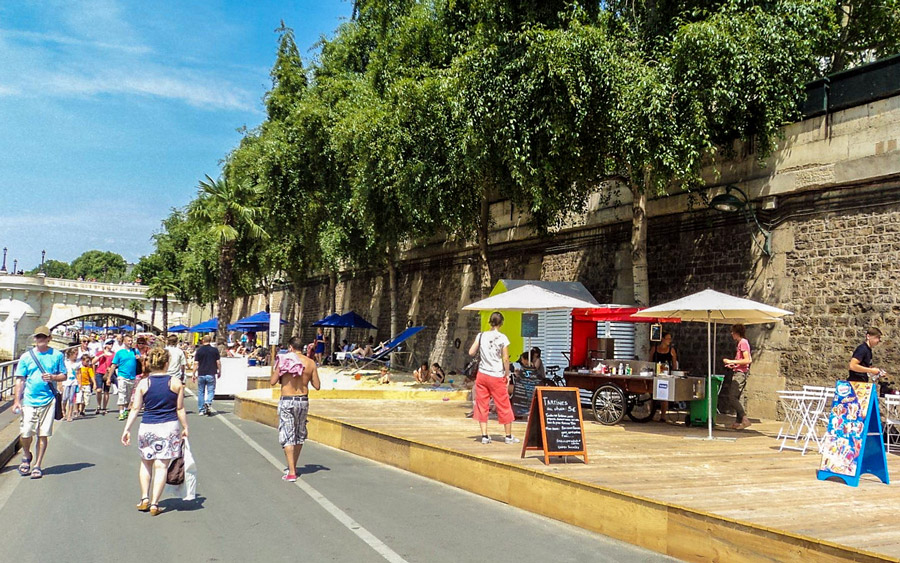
(529, 298)
(714, 307)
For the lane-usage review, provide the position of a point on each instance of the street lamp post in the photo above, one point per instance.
(3, 267)
(43, 255)
(729, 203)
(15, 265)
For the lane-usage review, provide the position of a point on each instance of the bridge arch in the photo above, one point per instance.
(111, 315)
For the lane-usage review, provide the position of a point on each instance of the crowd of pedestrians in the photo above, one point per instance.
(148, 381)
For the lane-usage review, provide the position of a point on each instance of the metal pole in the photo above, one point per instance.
(709, 419)
(3, 267)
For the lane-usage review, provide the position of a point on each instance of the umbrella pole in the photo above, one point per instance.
(709, 397)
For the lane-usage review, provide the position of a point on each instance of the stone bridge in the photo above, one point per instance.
(27, 302)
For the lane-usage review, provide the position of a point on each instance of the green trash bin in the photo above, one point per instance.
(698, 412)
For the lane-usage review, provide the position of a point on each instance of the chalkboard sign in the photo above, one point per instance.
(554, 423)
(852, 444)
(523, 391)
(529, 325)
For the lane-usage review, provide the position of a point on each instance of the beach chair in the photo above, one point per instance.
(382, 356)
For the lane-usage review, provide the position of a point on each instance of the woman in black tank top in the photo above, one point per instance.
(663, 352)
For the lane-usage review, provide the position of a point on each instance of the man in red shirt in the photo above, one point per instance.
(102, 362)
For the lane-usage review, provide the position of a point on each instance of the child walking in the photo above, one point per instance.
(85, 384)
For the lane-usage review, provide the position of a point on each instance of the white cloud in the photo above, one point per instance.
(59, 39)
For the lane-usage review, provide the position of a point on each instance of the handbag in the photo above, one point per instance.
(175, 473)
(58, 414)
(471, 369)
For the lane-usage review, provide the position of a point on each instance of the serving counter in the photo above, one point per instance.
(614, 395)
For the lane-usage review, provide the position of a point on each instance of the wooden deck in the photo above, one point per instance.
(747, 480)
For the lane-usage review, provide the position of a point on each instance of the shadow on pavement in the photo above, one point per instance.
(310, 468)
(66, 468)
(182, 505)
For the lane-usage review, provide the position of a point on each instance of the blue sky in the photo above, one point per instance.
(112, 111)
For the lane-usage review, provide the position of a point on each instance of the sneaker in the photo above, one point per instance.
(123, 415)
(511, 440)
(485, 439)
(289, 478)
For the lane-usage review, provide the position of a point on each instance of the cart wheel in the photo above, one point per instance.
(640, 407)
(609, 404)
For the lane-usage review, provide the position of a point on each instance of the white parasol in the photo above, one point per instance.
(713, 307)
(529, 298)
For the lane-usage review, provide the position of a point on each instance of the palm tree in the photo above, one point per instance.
(135, 307)
(161, 286)
(230, 211)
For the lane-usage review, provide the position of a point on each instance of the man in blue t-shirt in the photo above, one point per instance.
(124, 367)
(35, 398)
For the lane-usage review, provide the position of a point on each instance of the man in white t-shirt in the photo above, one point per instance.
(177, 361)
(492, 379)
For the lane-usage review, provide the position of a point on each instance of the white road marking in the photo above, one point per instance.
(341, 516)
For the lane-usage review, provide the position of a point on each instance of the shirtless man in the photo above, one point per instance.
(294, 372)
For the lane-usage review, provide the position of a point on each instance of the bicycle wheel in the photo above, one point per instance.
(609, 404)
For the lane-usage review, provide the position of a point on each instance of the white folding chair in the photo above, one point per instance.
(828, 393)
(808, 407)
(790, 404)
(891, 422)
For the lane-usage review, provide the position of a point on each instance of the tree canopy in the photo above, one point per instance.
(417, 114)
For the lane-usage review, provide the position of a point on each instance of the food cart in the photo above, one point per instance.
(613, 394)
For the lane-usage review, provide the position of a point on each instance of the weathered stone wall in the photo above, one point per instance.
(830, 196)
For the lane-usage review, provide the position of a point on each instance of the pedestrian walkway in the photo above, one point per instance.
(343, 509)
(694, 499)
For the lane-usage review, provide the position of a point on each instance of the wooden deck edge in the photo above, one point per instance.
(677, 531)
(9, 442)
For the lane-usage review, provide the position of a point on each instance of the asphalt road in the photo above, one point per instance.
(343, 508)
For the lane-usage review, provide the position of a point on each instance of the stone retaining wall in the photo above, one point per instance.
(830, 195)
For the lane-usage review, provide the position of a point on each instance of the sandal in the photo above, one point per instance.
(144, 505)
(25, 466)
(154, 509)
(36, 473)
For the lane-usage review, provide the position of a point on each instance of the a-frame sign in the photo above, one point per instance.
(853, 443)
(554, 423)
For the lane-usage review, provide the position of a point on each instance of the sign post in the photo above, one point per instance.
(274, 335)
(554, 423)
(853, 444)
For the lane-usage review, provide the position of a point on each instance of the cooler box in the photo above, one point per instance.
(698, 414)
(674, 389)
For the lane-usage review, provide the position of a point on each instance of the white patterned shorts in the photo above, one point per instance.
(292, 413)
(160, 441)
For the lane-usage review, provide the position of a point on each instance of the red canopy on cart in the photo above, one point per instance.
(617, 314)
(584, 326)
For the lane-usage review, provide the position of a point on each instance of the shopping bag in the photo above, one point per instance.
(187, 490)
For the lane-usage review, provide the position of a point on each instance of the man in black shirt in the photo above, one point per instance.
(861, 361)
(207, 369)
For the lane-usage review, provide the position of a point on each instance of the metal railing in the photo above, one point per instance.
(8, 377)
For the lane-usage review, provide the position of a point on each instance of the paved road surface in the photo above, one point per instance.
(344, 508)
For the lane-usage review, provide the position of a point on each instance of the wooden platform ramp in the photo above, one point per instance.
(645, 483)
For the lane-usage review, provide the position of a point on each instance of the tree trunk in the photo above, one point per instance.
(226, 300)
(332, 291)
(165, 314)
(639, 272)
(392, 290)
(484, 227)
(153, 312)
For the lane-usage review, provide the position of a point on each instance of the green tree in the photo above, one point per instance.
(228, 211)
(54, 269)
(161, 286)
(99, 265)
(135, 307)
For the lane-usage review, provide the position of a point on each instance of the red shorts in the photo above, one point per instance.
(487, 388)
